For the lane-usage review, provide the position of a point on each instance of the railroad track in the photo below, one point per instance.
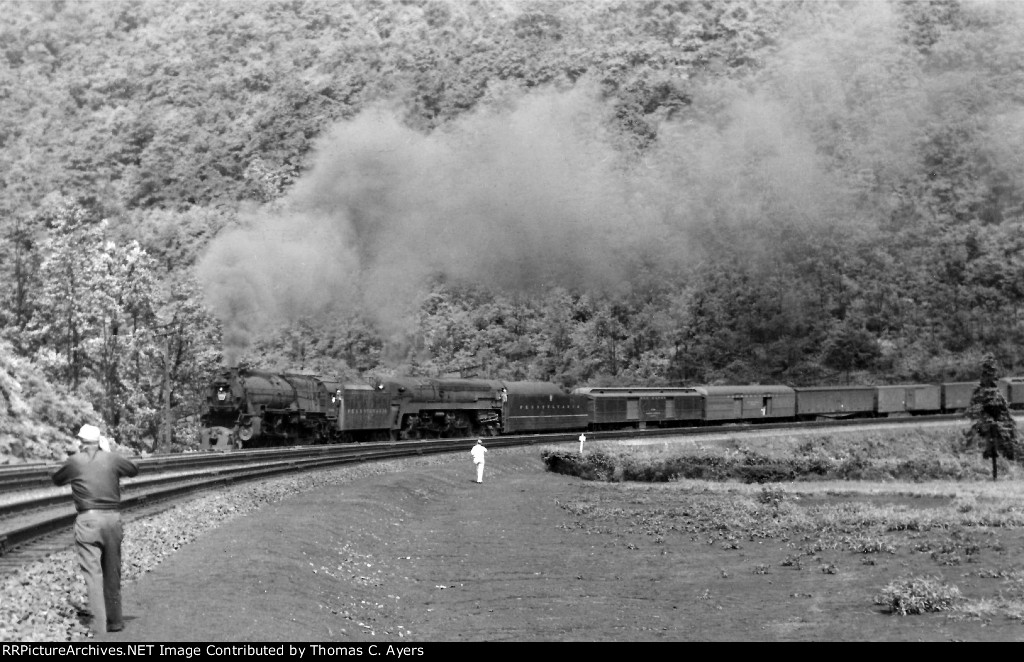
(31, 508)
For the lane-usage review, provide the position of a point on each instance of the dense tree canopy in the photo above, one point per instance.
(663, 191)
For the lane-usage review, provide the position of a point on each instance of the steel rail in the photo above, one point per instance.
(53, 513)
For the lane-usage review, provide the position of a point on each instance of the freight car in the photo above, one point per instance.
(1012, 389)
(835, 402)
(612, 407)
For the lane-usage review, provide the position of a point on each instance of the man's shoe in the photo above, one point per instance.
(115, 627)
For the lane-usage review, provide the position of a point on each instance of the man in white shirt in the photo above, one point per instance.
(478, 459)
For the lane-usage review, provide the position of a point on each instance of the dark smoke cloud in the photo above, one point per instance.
(517, 198)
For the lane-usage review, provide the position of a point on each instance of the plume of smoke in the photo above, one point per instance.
(276, 268)
(513, 198)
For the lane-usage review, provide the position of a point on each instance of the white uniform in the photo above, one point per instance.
(478, 459)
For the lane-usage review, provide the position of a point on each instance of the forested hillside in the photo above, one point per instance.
(642, 192)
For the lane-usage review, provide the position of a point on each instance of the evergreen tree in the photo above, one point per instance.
(992, 427)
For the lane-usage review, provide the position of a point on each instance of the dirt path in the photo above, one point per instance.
(429, 555)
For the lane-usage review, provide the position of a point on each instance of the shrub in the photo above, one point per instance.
(593, 465)
(919, 595)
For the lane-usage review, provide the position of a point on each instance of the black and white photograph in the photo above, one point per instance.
(726, 295)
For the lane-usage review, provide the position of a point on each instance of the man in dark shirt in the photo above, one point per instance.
(94, 476)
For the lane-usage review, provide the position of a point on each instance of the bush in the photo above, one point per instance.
(919, 595)
(590, 466)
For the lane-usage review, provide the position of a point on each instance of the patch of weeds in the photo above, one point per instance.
(1015, 610)
(761, 569)
(771, 496)
(965, 503)
(919, 595)
(830, 569)
(984, 609)
(946, 558)
(577, 507)
(999, 573)
(873, 546)
(792, 561)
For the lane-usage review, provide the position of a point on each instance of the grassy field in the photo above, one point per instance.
(914, 511)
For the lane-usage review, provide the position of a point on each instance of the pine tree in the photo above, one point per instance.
(993, 428)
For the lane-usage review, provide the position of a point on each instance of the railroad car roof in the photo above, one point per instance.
(886, 387)
(619, 391)
(814, 389)
(757, 389)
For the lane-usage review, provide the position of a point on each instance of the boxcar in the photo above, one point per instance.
(909, 399)
(736, 403)
(642, 406)
(540, 406)
(835, 401)
(956, 396)
(1012, 389)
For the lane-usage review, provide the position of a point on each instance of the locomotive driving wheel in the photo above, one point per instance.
(243, 435)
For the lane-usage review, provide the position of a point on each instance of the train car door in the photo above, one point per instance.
(766, 405)
(633, 409)
(737, 407)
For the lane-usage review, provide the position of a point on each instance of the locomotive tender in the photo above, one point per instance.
(248, 408)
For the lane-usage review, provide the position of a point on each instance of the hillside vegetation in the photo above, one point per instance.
(588, 193)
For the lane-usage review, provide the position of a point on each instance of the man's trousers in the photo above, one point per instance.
(98, 535)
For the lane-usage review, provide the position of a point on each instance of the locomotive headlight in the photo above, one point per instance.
(222, 395)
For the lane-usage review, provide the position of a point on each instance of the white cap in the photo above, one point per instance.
(90, 434)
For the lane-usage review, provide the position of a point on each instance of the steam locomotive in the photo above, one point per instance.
(247, 408)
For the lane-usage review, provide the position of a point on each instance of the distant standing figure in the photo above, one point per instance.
(94, 475)
(478, 453)
(583, 437)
